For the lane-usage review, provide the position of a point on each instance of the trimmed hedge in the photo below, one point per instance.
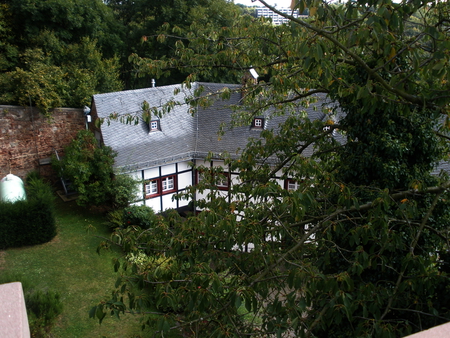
(28, 222)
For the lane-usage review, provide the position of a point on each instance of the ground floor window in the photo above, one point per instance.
(291, 185)
(223, 181)
(168, 183)
(160, 186)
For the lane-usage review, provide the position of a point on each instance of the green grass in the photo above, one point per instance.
(70, 266)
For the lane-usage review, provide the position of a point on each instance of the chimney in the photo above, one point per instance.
(248, 80)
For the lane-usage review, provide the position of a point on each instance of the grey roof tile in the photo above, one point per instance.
(135, 145)
(182, 135)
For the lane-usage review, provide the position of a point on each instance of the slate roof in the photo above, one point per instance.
(136, 147)
(183, 136)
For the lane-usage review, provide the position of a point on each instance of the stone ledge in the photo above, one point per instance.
(13, 314)
(441, 331)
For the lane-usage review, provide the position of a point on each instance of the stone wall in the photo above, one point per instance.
(28, 139)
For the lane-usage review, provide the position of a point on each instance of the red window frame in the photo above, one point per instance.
(159, 184)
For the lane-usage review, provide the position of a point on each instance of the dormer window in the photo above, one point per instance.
(154, 125)
(258, 123)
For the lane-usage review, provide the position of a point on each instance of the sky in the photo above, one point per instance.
(280, 3)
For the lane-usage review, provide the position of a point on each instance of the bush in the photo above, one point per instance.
(89, 167)
(28, 222)
(38, 190)
(141, 216)
(124, 190)
(43, 307)
(115, 219)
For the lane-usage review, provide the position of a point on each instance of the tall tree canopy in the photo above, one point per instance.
(360, 249)
(57, 53)
(145, 20)
(88, 43)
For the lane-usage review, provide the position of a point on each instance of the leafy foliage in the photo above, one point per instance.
(57, 53)
(360, 248)
(134, 215)
(145, 22)
(60, 53)
(89, 167)
(43, 308)
(141, 216)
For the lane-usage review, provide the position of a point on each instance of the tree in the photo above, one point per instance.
(89, 168)
(361, 247)
(57, 53)
(40, 83)
(144, 21)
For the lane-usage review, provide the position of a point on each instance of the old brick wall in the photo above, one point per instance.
(28, 139)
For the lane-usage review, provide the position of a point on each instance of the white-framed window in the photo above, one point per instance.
(160, 186)
(168, 183)
(258, 123)
(151, 187)
(292, 185)
(223, 181)
(154, 125)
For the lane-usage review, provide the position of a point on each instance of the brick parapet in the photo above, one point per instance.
(28, 139)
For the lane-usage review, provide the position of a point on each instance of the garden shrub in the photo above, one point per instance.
(136, 215)
(139, 215)
(89, 167)
(43, 307)
(115, 219)
(124, 190)
(28, 222)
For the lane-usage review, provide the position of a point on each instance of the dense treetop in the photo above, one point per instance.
(360, 248)
(59, 53)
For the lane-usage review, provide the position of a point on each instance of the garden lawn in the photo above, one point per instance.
(70, 266)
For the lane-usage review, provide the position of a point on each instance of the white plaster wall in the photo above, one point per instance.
(154, 204)
(168, 169)
(235, 179)
(139, 194)
(184, 180)
(202, 163)
(168, 203)
(183, 203)
(186, 165)
(202, 195)
(280, 182)
(218, 164)
(151, 173)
